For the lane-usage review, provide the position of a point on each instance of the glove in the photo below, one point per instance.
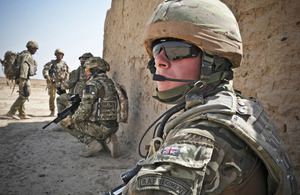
(67, 121)
(60, 91)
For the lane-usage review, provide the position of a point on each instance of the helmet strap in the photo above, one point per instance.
(215, 69)
(151, 66)
(178, 94)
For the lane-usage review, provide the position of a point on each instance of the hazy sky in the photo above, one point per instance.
(75, 26)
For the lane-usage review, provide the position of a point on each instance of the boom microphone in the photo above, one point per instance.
(157, 77)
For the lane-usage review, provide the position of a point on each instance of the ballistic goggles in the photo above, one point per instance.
(175, 50)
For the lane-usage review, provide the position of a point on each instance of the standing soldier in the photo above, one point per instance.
(75, 84)
(99, 112)
(28, 67)
(221, 142)
(54, 72)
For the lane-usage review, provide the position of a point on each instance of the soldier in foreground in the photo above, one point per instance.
(97, 114)
(222, 142)
(55, 72)
(28, 68)
(75, 84)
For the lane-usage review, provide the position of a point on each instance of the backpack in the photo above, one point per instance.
(123, 102)
(111, 108)
(11, 67)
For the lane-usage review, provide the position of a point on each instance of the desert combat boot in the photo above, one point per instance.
(52, 113)
(113, 146)
(25, 117)
(91, 149)
(12, 115)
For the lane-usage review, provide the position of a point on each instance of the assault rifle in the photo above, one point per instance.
(126, 177)
(25, 90)
(52, 75)
(59, 91)
(75, 99)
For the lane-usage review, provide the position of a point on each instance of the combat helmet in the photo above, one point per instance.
(97, 63)
(86, 56)
(57, 51)
(207, 24)
(32, 44)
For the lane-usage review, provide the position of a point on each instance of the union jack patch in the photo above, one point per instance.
(173, 150)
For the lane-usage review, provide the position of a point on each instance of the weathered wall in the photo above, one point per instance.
(123, 49)
(269, 71)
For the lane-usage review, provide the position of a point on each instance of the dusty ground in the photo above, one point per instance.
(42, 161)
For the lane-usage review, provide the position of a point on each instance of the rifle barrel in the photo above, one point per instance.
(68, 110)
(44, 127)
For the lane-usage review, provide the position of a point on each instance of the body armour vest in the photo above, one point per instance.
(60, 70)
(105, 108)
(247, 119)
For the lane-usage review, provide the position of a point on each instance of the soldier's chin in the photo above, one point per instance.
(167, 85)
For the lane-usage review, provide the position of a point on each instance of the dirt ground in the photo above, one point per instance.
(42, 161)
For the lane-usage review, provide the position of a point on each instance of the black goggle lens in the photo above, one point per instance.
(175, 50)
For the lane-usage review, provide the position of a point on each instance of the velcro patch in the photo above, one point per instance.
(159, 182)
(171, 150)
(90, 89)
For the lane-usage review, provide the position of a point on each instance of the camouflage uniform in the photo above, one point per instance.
(96, 118)
(222, 142)
(28, 67)
(60, 72)
(200, 154)
(85, 117)
(76, 83)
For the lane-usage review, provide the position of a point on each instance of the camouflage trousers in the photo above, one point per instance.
(86, 139)
(52, 94)
(19, 104)
(100, 131)
(62, 101)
